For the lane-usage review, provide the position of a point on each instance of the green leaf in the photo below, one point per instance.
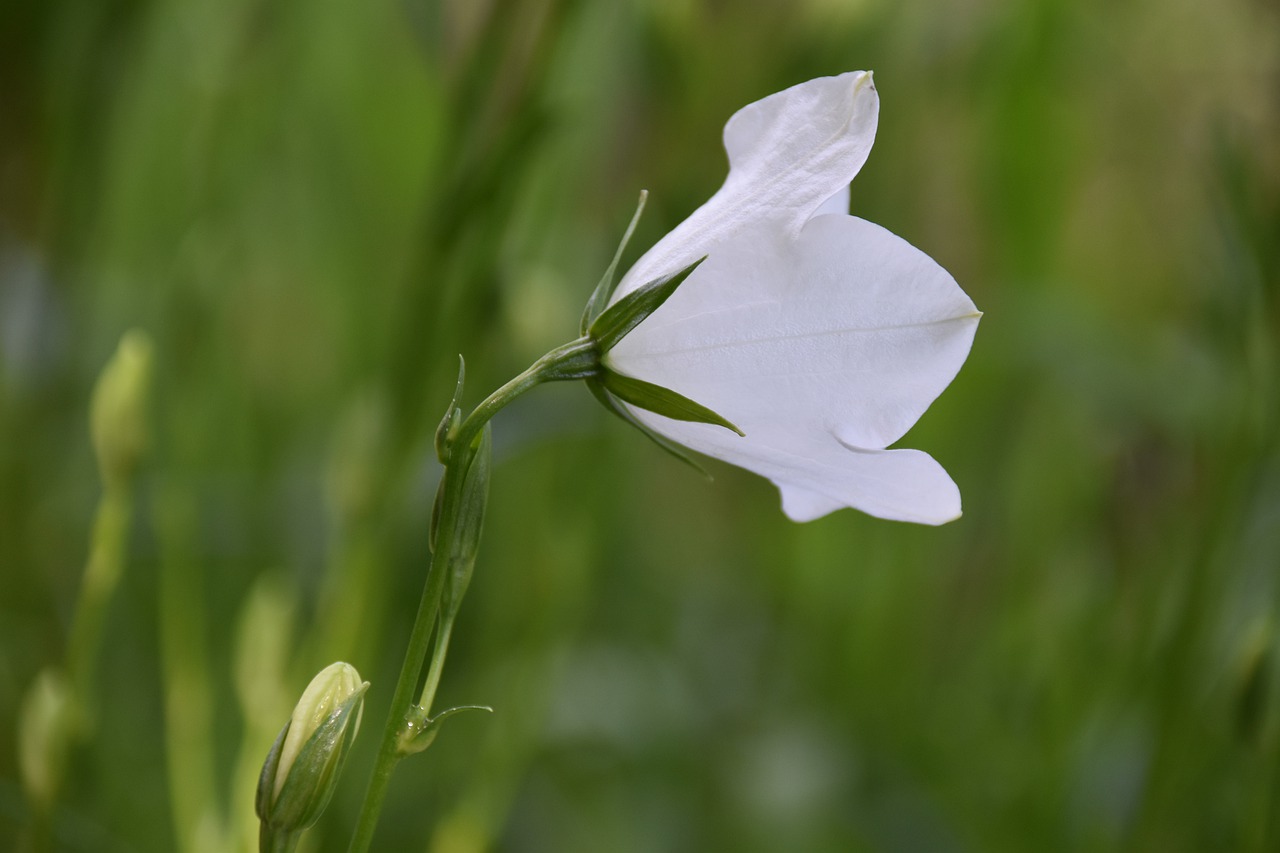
(600, 296)
(452, 415)
(632, 310)
(466, 541)
(420, 731)
(670, 447)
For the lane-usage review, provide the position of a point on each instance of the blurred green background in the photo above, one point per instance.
(313, 207)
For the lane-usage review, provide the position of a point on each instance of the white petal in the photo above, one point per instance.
(847, 331)
(820, 475)
(788, 154)
(838, 203)
(899, 485)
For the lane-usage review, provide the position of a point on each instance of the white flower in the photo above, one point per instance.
(822, 336)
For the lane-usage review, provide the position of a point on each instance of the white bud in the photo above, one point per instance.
(302, 769)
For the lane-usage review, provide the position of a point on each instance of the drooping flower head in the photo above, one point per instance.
(821, 336)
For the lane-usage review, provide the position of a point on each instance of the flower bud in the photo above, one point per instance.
(302, 769)
(117, 414)
(46, 723)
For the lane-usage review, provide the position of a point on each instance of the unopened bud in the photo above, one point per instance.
(45, 728)
(301, 771)
(117, 415)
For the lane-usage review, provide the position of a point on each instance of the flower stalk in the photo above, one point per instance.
(58, 709)
(463, 448)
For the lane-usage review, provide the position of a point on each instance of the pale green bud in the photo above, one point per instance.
(301, 771)
(45, 726)
(117, 414)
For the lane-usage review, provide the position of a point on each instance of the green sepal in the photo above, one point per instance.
(660, 401)
(634, 308)
(675, 450)
(600, 296)
(313, 777)
(273, 839)
(419, 730)
(267, 778)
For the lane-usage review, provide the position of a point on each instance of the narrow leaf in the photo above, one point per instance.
(452, 415)
(420, 731)
(470, 522)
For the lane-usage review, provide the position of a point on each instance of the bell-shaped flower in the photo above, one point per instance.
(821, 336)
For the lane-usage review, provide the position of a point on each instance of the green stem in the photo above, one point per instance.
(185, 668)
(415, 654)
(574, 360)
(101, 577)
(57, 729)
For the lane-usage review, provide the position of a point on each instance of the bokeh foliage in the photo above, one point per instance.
(313, 207)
